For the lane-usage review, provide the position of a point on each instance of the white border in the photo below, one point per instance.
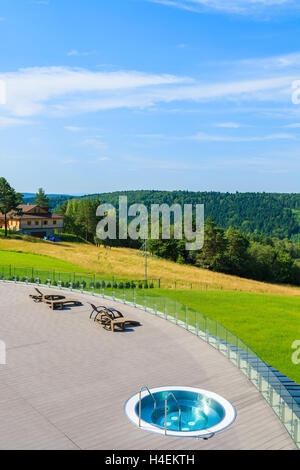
(230, 412)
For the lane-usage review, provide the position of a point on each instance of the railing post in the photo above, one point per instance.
(166, 404)
(297, 431)
(140, 407)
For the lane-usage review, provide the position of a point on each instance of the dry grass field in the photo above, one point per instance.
(125, 263)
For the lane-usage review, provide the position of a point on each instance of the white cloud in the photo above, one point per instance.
(75, 53)
(10, 122)
(293, 126)
(201, 136)
(229, 125)
(65, 91)
(273, 63)
(94, 143)
(73, 128)
(231, 6)
(56, 89)
(69, 161)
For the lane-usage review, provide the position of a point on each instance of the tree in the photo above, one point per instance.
(41, 199)
(9, 200)
(237, 251)
(213, 253)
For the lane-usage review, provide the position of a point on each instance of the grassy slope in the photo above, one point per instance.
(28, 260)
(127, 264)
(269, 324)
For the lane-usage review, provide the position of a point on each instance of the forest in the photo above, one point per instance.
(226, 249)
(272, 214)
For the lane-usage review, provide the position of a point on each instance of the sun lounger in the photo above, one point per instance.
(97, 310)
(40, 297)
(110, 318)
(60, 304)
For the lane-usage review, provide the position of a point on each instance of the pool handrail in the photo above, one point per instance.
(170, 394)
(140, 401)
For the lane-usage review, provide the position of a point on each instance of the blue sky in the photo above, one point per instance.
(150, 94)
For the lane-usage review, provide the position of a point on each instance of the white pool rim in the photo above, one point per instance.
(229, 417)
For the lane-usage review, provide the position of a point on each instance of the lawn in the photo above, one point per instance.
(29, 260)
(124, 263)
(268, 324)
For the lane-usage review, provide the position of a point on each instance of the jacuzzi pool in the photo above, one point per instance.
(187, 412)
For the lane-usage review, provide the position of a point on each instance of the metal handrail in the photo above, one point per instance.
(170, 394)
(140, 401)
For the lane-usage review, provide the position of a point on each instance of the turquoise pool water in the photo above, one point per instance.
(198, 412)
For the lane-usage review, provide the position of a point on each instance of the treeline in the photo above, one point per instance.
(232, 252)
(270, 214)
(54, 201)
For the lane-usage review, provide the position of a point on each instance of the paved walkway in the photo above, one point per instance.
(66, 380)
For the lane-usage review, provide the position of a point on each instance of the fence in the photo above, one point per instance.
(74, 280)
(284, 402)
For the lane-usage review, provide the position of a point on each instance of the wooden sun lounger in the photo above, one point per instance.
(99, 311)
(44, 298)
(112, 318)
(60, 304)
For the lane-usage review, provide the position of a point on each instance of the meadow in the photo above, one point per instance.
(128, 264)
(268, 324)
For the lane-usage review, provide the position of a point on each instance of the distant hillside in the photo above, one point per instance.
(271, 214)
(55, 199)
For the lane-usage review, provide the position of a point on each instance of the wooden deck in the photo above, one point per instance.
(66, 380)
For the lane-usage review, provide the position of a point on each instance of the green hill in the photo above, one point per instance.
(271, 214)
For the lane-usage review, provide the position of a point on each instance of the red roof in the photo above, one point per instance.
(23, 215)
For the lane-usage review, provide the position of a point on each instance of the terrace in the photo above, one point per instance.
(66, 379)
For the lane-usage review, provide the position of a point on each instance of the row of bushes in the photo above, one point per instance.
(83, 284)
